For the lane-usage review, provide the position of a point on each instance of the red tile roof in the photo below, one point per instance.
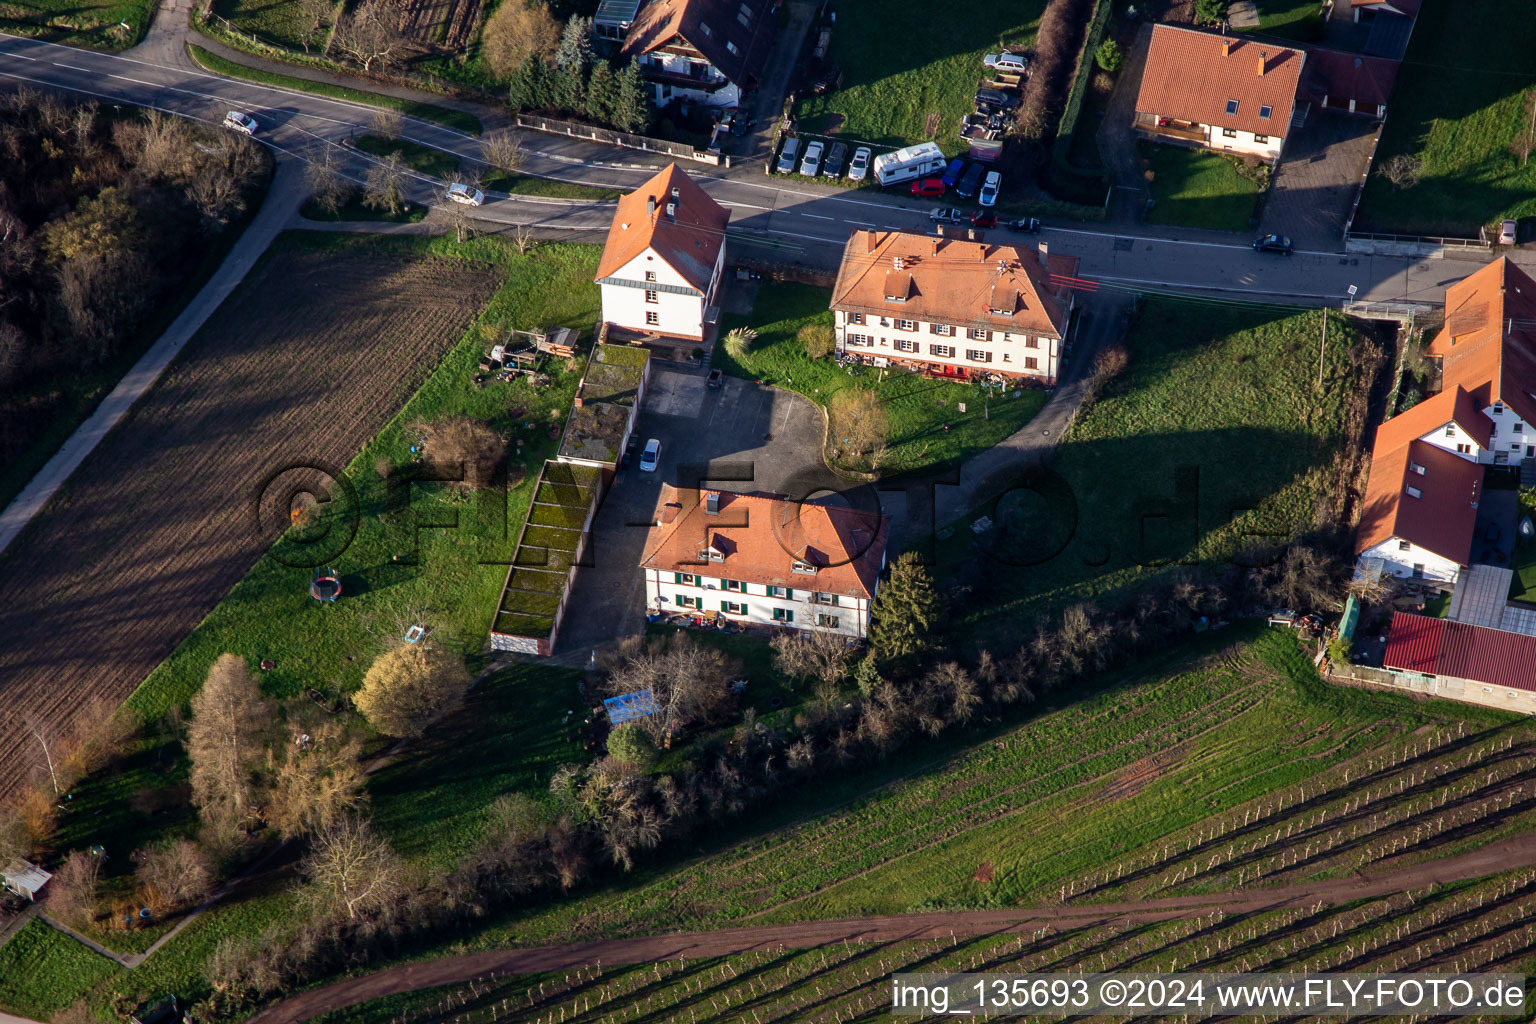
(1189, 76)
(735, 36)
(1454, 405)
(1488, 343)
(1340, 77)
(953, 281)
(689, 241)
(1481, 654)
(762, 537)
(1442, 519)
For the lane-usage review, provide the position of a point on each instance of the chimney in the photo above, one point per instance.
(1226, 47)
(650, 205)
(671, 211)
(871, 241)
(1263, 60)
(981, 253)
(712, 503)
(936, 243)
(1045, 255)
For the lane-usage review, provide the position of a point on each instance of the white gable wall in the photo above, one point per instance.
(676, 315)
(1400, 561)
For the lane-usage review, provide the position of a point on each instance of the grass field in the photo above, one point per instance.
(1458, 104)
(1218, 412)
(425, 111)
(93, 25)
(919, 409)
(1196, 188)
(1300, 20)
(445, 166)
(446, 577)
(42, 970)
(909, 75)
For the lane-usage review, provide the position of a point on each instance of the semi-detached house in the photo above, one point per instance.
(953, 307)
(710, 52)
(762, 561)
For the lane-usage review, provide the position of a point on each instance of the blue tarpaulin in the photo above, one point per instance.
(630, 706)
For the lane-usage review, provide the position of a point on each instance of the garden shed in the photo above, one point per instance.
(24, 878)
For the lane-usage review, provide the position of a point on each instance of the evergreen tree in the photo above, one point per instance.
(525, 85)
(905, 611)
(566, 91)
(575, 52)
(632, 104)
(602, 94)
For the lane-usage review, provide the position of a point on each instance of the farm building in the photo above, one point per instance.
(566, 498)
(24, 878)
(952, 307)
(710, 52)
(1218, 92)
(662, 264)
(764, 561)
(1458, 660)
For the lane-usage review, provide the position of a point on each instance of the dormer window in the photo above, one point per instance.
(1414, 492)
(1231, 106)
(803, 568)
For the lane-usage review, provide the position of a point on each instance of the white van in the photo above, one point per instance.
(912, 162)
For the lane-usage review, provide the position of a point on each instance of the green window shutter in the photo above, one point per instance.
(789, 595)
(678, 578)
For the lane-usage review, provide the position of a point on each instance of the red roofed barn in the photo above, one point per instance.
(1475, 664)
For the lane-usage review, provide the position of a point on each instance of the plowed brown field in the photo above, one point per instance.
(302, 365)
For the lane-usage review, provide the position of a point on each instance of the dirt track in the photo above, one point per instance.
(303, 364)
(1382, 880)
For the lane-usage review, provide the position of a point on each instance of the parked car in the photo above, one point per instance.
(810, 164)
(650, 456)
(948, 215)
(787, 155)
(972, 180)
(989, 189)
(245, 124)
(465, 196)
(1028, 225)
(952, 172)
(928, 188)
(835, 156)
(984, 219)
(716, 378)
(1273, 243)
(858, 167)
(1006, 61)
(741, 123)
(996, 98)
(1507, 233)
(630, 447)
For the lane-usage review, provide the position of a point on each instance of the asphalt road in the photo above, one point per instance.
(797, 220)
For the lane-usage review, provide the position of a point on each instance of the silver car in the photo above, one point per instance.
(245, 124)
(858, 167)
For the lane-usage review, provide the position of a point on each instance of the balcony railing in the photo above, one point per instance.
(1171, 128)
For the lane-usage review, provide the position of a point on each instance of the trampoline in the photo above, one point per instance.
(326, 586)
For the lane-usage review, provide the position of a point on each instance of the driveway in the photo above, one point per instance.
(752, 438)
(1318, 176)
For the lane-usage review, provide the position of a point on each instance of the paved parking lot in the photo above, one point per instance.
(740, 437)
(1318, 177)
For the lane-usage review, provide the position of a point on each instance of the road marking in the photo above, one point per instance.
(815, 216)
(135, 81)
(861, 223)
(20, 56)
(71, 67)
(743, 206)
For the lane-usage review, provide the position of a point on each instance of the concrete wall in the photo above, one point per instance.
(1468, 691)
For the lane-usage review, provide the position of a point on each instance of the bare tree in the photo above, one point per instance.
(318, 778)
(407, 688)
(1401, 170)
(75, 888)
(503, 150)
(388, 123)
(15, 842)
(859, 423)
(1525, 139)
(689, 681)
(384, 185)
(175, 875)
(352, 868)
(371, 34)
(314, 17)
(515, 32)
(224, 743)
(812, 654)
(50, 752)
(522, 239)
(323, 175)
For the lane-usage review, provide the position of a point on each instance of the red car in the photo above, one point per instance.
(928, 188)
(984, 219)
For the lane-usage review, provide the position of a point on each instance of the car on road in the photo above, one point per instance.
(952, 172)
(716, 378)
(948, 215)
(1273, 243)
(858, 167)
(990, 187)
(245, 124)
(810, 166)
(928, 188)
(996, 98)
(984, 219)
(786, 164)
(1006, 61)
(650, 456)
(835, 155)
(1507, 232)
(465, 195)
(1027, 225)
(972, 180)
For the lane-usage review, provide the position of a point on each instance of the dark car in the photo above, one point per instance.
(996, 98)
(833, 167)
(741, 123)
(952, 172)
(928, 188)
(1273, 243)
(984, 219)
(968, 185)
(716, 378)
(1028, 225)
(629, 451)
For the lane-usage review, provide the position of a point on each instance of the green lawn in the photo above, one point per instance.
(277, 22)
(1197, 188)
(1301, 20)
(94, 25)
(425, 111)
(42, 971)
(445, 166)
(919, 409)
(1458, 103)
(1522, 587)
(910, 72)
(456, 577)
(355, 209)
(1224, 397)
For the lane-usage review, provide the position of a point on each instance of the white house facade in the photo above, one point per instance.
(757, 604)
(646, 294)
(1407, 560)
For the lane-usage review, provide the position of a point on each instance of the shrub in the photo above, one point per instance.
(409, 686)
(737, 342)
(1109, 56)
(629, 745)
(817, 339)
